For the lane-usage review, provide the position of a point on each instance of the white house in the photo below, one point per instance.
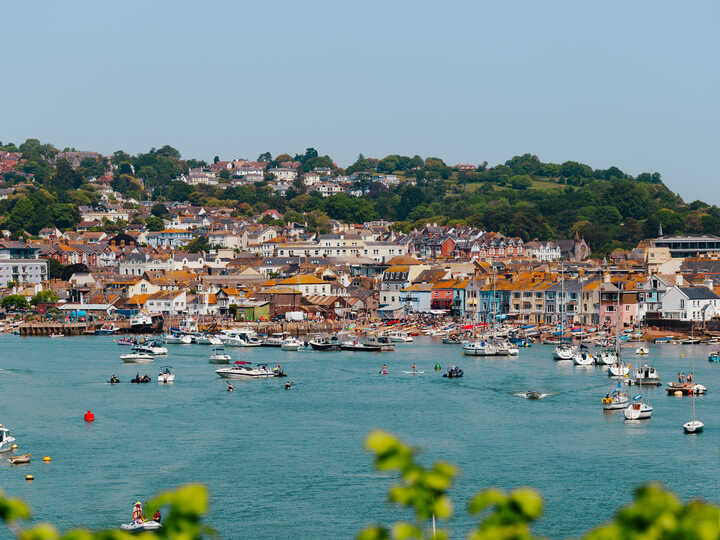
(543, 251)
(690, 303)
(167, 302)
(283, 173)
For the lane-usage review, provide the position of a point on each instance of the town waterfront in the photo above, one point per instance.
(291, 464)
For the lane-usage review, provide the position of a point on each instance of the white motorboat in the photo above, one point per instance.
(583, 358)
(137, 358)
(645, 376)
(564, 351)
(166, 375)
(141, 526)
(274, 340)
(479, 348)
(240, 338)
(245, 370)
(219, 356)
(639, 409)
(6, 441)
(399, 337)
(642, 351)
(291, 344)
(617, 399)
(504, 348)
(172, 339)
(214, 340)
(201, 339)
(153, 348)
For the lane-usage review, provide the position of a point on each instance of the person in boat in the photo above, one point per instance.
(137, 512)
(689, 377)
(156, 516)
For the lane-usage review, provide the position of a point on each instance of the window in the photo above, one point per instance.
(682, 304)
(627, 307)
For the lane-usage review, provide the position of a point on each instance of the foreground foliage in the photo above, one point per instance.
(655, 514)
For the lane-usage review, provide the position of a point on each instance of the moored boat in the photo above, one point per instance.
(359, 346)
(639, 409)
(291, 344)
(325, 343)
(246, 370)
(6, 441)
(137, 358)
(20, 459)
(166, 375)
(219, 356)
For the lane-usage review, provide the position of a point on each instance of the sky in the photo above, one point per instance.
(631, 84)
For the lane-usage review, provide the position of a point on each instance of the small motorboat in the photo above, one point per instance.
(645, 376)
(714, 356)
(141, 380)
(639, 409)
(141, 526)
(166, 375)
(21, 459)
(137, 358)
(57, 335)
(245, 370)
(452, 340)
(274, 340)
(155, 348)
(642, 351)
(453, 373)
(6, 441)
(399, 337)
(479, 348)
(325, 343)
(381, 341)
(106, 330)
(214, 340)
(291, 344)
(126, 341)
(359, 346)
(219, 356)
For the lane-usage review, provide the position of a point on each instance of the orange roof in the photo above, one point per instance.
(305, 279)
(138, 299)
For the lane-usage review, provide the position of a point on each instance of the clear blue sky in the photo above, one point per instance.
(628, 83)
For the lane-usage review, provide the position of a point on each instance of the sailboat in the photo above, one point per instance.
(619, 368)
(582, 357)
(694, 425)
(564, 351)
(617, 399)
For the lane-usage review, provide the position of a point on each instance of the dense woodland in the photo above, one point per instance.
(521, 197)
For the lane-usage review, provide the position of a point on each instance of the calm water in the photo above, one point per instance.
(285, 464)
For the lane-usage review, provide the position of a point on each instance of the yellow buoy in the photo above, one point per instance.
(29, 477)
(46, 459)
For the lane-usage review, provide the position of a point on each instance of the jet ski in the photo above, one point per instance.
(114, 380)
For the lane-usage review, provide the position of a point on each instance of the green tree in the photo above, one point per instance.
(154, 223)
(14, 302)
(198, 245)
(55, 269)
(160, 210)
(47, 296)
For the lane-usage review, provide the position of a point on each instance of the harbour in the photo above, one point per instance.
(272, 457)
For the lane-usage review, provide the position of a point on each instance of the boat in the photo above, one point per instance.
(639, 409)
(504, 348)
(141, 526)
(166, 375)
(583, 358)
(106, 330)
(141, 380)
(533, 394)
(714, 356)
(479, 348)
(453, 339)
(274, 340)
(606, 358)
(20, 459)
(153, 347)
(219, 356)
(617, 399)
(200, 339)
(685, 388)
(142, 322)
(642, 351)
(214, 340)
(57, 335)
(137, 358)
(382, 341)
(126, 341)
(359, 346)
(645, 376)
(453, 373)
(399, 337)
(618, 369)
(325, 343)
(240, 338)
(564, 351)
(6, 441)
(246, 370)
(291, 344)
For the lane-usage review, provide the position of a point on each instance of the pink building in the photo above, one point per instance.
(610, 311)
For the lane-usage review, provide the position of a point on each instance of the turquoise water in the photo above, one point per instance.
(291, 464)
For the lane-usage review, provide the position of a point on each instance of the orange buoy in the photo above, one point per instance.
(89, 416)
(46, 459)
(29, 477)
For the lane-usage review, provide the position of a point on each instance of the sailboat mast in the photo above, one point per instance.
(562, 302)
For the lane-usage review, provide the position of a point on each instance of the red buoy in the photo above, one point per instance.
(89, 416)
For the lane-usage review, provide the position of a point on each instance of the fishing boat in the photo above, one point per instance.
(6, 441)
(246, 370)
(615, 400)
(325, 343)
(142, 322)
(291, 344)
(645, 376)
(219, 356)
(20, 459)
(639, 409)
(166, 375)
(137, 358)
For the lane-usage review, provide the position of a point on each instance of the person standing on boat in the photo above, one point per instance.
(137, 512)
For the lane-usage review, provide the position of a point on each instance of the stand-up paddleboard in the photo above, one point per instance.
(413, 372)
